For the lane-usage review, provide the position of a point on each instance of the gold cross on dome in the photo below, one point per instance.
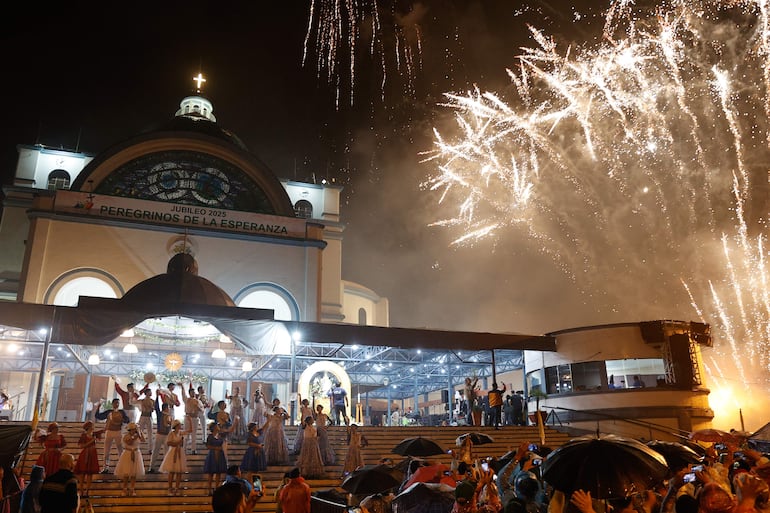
(199, 79)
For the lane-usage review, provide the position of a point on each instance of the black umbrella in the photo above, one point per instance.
(476, 439)
(608, 467)
(418, 447)
(425, 498)
(372, 479)
(677, 456)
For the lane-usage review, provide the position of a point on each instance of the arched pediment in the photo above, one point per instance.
(194, 170)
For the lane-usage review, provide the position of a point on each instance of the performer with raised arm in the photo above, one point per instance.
(206, 403)
(259, 409)
(164, 427)
(192, 411)
(129, 397)
(112, 436)
(146, 407)
(170, 398)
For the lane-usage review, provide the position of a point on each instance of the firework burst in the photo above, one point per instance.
(337, 29)
(639, 164)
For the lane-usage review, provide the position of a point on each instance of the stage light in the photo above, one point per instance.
(94, 359)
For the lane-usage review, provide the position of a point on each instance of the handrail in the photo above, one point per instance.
(651, 426)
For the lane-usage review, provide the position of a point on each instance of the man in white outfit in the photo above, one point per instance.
(192, 411)
(204, 400)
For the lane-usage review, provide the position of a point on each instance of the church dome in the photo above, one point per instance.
(180, 284)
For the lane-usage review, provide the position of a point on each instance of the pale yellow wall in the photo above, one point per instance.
(331, 276)
(132, 255)
(355, 297)
(14, 227)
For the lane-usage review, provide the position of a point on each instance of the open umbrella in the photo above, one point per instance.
(425, 498)
(608, 467)
(713, 435)
(677, 456)
(418, 447)
(372, 479)
(476, 439)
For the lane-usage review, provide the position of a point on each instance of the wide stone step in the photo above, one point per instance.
(152, 489)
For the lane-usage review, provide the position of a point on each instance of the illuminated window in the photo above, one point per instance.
(58, 179)
(303, 209)
(70, 292)
(269, 299)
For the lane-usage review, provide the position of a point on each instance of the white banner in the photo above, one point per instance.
(154, 212)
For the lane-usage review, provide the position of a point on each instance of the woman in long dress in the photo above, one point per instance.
(88, 461)
(236, 414)
(258, 410)
(305, 411)
(276, 446)
(321, 422)
(175, 460)
(353, 458)
(215, 462)
(130, 465)
(254, 457)
(310, 463)
(52, 442)
(225, 423)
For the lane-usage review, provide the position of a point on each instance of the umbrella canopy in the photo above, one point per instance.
(418, 447)
(677, 456)
(372, 479)
(713, 435)
(476, 439)
(608, 467)
(425, 498)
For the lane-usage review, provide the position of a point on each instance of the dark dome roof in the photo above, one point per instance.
(180, 284)
(198, 124)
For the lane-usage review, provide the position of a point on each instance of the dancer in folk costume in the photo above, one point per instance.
(88, 460)
(192, 411)
(353, 459)
(215, 462)
(53, 442)
(130, 465)
(258, 409)
(254, 458)
(206, 403)
(236, 415)
(175, 460)
(322, 421)
(225, 423)
(161, 435)
(276, 446)
(310, 463)
(305, 411)
(146, 406)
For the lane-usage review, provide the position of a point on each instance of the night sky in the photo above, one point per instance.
(91, 76)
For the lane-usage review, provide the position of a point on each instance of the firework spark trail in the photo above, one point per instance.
(335, 26)
(641, 162)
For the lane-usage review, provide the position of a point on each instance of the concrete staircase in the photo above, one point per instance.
(152, 489)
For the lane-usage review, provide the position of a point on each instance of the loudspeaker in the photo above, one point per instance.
(445, 396)
(701, 333)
